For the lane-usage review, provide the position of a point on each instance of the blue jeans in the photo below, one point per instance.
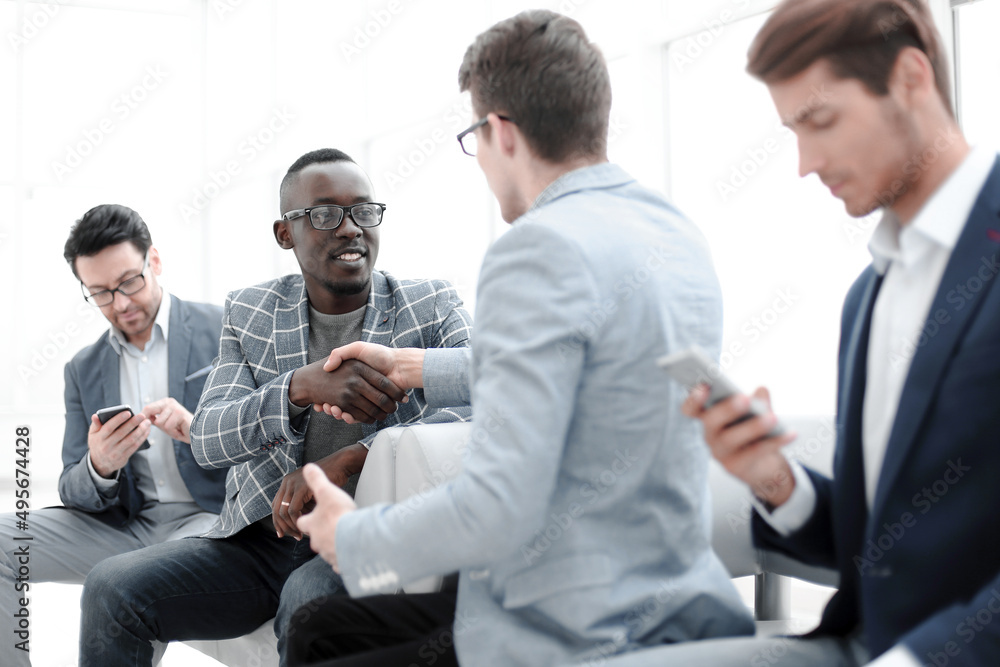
(195, 588)
(306, 590)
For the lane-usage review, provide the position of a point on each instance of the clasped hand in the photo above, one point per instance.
(367, 393)
(400, 366)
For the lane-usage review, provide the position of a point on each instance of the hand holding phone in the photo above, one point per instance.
(693, 367)
(104, 414)
(742, 447)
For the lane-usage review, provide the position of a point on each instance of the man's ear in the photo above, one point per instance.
(154, 261)
(283, 235)
(504, 133)
(912, 78)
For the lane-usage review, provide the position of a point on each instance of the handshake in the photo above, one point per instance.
(360, 382)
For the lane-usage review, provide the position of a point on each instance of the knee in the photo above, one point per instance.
(8, 550)
(106, 606)
(304, 592)
(99, 593)
(9, 567)
(108, 585)
(309, 586)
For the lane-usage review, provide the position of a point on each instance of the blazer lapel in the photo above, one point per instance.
(976, 254)
(111, 376)
(380, 322)
(291, 329)
(178, 349)
(848, 459)
(291, 323)
(380, 316)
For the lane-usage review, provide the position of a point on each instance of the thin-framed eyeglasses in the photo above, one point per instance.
(328, 217)
(467, 138)
(128, 287)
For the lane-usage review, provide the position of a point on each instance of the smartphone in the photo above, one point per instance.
(693, 367)
(104, 414)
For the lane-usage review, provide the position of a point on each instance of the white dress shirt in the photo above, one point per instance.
(143, 378)
(912, 259)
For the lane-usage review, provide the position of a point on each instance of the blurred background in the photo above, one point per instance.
(191, 111)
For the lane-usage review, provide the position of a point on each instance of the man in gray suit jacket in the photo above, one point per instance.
(254, 421)
(580, 521)
(118, 494)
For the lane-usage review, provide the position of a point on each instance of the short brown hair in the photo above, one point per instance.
(540, 69)
(860, 38)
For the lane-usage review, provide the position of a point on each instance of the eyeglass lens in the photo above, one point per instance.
(329, 217)
(128, 287)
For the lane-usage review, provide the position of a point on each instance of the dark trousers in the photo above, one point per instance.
(382, 631)
(195, 588)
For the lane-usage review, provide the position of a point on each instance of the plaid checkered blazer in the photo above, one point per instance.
(242, 421)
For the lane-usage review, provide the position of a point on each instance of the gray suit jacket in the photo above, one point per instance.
(580, 521)
(243, 424)
(92, 383)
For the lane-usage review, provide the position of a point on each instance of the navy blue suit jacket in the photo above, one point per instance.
(92, 383)
(923, 568)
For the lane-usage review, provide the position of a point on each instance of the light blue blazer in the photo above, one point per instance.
(580, 522)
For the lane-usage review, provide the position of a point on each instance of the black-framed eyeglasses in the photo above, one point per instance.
(467, 138)
(328, 217)
(128, 287)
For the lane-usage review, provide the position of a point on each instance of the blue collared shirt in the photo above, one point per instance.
(143, 378)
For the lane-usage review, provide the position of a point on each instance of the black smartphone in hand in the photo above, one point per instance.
(104, 414)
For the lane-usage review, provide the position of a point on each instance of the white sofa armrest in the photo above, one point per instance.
(428, 455)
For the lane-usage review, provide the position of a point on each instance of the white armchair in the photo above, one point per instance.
(405, 462)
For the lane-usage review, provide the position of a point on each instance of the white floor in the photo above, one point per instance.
(56, 609)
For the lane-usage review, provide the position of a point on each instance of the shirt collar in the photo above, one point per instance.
(161, 326)
(941, 219)
(603, 175)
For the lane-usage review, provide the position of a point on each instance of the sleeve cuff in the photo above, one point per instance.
(898, 656)
(106, 487)
(446, 377)
(295, 410)
(795, 512)
(362, 576)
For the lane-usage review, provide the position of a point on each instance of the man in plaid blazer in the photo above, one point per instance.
(252, 432)
(254, 419)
